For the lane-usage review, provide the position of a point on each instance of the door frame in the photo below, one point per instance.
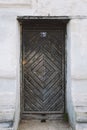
(23, 19)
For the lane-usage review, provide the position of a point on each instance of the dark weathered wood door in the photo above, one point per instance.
(43, 70)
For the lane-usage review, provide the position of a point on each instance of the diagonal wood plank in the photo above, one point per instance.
(43, 71)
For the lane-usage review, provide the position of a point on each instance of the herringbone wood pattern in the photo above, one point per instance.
(43, 71)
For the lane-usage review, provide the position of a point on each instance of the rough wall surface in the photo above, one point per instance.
(76, 47)
(79, 71)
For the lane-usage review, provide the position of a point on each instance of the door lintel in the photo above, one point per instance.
(63, 19)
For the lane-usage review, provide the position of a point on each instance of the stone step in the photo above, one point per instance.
(81, 114)
(7, 110)
(6, 125)
(81, 126)
(7, 115)
(7, 106)
(6, 128)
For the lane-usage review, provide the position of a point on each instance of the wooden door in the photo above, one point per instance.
(43, 70)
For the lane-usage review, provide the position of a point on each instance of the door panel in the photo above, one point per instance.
(43, 71)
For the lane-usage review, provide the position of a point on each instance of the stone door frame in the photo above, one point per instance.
(22, 19)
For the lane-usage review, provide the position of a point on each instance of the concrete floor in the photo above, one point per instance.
(48, 125)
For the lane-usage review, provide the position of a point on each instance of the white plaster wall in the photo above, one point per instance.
(79, 68)
(77, 71)
(9, 69)
(10, 51)
(79, 46)
(40, 7)
(15, 1)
